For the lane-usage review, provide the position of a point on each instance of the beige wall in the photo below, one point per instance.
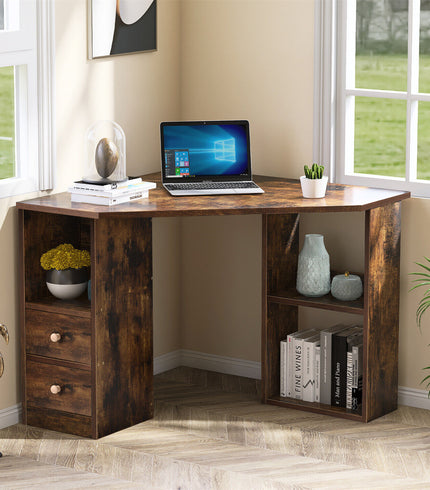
(252, 60)
(138, 91)
(215, 59)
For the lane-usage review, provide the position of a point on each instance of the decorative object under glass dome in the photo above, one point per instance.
(105, 153)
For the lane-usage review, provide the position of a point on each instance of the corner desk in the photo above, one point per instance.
(104, 359)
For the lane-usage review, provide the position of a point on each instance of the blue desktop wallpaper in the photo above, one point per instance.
(212, 149)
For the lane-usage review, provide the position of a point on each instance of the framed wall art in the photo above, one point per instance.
(121, 27)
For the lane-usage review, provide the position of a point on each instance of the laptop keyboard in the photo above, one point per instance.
(211, 185)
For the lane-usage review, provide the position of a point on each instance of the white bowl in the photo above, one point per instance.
(67, 291)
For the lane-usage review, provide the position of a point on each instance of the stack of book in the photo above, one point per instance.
(323, 366)
(110, 194)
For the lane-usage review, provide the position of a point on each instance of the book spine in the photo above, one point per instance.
(290, 365)
(108, 201)
(357, 377)
(298, 357)
(120, 191)
(308, 380)
(106, 187)
(283, 374)
(349, 380)
(317, 373)
(338, 367)
(325, 378)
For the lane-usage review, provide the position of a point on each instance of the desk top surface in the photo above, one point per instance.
(281, 196)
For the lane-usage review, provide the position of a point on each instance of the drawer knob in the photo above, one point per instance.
(55, 389)
(55, 337)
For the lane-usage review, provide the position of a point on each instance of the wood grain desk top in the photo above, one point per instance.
(281, 196)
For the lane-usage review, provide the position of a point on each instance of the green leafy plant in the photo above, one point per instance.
(65, 256)
(314, 172)
(422, 279)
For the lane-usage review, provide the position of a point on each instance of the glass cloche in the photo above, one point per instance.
(105, 153)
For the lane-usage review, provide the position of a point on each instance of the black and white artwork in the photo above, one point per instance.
(122, 26)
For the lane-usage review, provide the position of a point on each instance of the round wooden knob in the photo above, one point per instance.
(55, 389)
(55, 337)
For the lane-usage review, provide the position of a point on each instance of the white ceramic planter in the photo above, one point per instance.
(313, 188)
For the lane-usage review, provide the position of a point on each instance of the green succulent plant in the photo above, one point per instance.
(422, 279)
(314, 172)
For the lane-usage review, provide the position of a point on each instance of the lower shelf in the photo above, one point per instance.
(315, 407)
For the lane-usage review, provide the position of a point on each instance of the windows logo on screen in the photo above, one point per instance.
(225, 150)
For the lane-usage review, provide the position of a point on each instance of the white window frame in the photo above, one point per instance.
(30, 48)
(335, 92)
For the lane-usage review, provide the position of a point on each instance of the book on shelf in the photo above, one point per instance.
(283, 367)
(325, 361)
(308, 369)
(298, 360)
(358, 339)
(318, 371)
(107, 200)
(290, 364)
(357, 376)
(101, 190)
(339, 363)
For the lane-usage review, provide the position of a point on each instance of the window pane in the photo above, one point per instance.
(1, 15)
(423, 151)
(7, 123)
(424, 81)
(380, 136)
(381, 44)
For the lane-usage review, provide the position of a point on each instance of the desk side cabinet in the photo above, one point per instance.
(379, 308)
(99, 360)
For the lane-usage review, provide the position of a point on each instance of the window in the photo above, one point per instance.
(26, 142)
(373, 92)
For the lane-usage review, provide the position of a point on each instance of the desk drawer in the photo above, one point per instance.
(74, 384)
(71, 336)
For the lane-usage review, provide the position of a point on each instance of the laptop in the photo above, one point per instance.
(206, 158)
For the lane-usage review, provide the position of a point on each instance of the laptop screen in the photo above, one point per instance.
(211, 150)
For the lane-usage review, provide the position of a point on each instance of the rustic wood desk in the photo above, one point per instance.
(103, 361)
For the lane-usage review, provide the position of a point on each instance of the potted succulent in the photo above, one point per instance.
(67, 270)
(423, 280)
(314, 183)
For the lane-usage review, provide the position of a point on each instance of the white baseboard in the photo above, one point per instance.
(209, 362)
(413, 398)
(10, 416)
(221, 364)
(168, 361)
(250, 369)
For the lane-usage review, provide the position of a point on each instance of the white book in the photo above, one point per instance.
(317, 372)
(298, 361)
(106, 187)
(108, 201)
(308, 371)
(283, 368)
(290, 364)
(115, 192)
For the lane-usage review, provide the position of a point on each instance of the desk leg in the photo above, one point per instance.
(122, 309)
(279, 264)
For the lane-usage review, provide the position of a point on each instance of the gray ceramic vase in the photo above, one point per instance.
(313, 271)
